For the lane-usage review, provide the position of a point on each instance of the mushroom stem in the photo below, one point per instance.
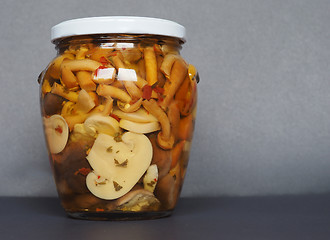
(68, 78)
(110, 91)
(178, 74)
(167, 64)
(81, 65)
(152, 107)
(151, 65)
(85, 81)
(128, 108)
(108, 106)
(61, 91)
(164, 138)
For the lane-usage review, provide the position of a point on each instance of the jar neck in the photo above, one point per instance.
(113, 40)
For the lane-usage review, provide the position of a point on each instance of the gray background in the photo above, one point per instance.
(264, 96)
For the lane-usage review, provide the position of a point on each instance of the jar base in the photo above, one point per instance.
(118, 216)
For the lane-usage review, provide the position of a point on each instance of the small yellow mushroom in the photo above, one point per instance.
(61, 91)
(113, 92)
(128, 108)
(84, 79)
(178, 74)
(81, 65)
(68, 78)
(150, 65)
(165, 139)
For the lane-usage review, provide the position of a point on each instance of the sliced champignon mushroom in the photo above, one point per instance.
(141, 115)
(57, 133)
(139, 127)
(85, 102)
(102, 124)
(150, 178)
(117, 164)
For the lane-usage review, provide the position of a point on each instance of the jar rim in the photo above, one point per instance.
(118, 25)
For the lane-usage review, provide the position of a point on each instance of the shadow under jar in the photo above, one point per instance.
(118, 104)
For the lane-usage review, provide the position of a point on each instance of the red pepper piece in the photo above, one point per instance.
(146, 92)
(59, 129)
(103, 60)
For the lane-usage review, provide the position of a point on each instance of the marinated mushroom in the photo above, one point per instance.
(129, 108)
(117, 164)
(164, 138)
(178, 74)
(52, 103)
(58, 89)
(113, 92)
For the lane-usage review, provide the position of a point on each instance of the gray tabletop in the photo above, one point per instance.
(282, 217)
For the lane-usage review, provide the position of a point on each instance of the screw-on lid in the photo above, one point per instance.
(118, 24)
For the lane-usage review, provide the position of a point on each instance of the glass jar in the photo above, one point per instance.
(118, 105)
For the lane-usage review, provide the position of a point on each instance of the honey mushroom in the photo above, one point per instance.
(178, 74)
(84, 79)
(128, 108)
(164, 138)
(58, 89)
(150, 65)
(69, 66)
(108, 106)
(56, 64)
(167, 64)
(113, 92)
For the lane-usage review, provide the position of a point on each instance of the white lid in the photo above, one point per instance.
(118, 24)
